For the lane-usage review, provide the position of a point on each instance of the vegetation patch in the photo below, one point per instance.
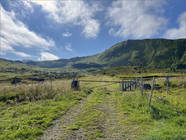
(28, 120)
(91, 120)
(165, 120)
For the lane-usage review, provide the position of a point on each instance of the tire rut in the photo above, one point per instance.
(112, 129)
(60, 125)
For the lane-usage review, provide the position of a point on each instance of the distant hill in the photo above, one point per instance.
(160, 53)
(8, 65)
(11, 69)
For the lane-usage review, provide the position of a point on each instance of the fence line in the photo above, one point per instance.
(99, 81)
(125, 84)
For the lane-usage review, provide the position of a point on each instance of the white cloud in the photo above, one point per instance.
(5, 47)
(67, 34)
(68, 47)
(91, 29)
(179, 32)
(135, 18)
(22, 54)
(47, 56)
(76, 12)
(14, 33)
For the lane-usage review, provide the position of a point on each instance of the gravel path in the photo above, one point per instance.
(111, 128)
(59, 126)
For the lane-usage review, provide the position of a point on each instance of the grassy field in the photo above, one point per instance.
(26, 110)
(98, 110)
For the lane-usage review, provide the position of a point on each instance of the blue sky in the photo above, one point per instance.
(51, 29)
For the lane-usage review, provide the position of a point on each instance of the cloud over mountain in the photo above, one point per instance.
(47, 56)
(135, 19)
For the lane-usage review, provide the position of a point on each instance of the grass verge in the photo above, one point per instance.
(165, 120)
(28, 120)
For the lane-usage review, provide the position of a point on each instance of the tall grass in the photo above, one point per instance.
(33, 92)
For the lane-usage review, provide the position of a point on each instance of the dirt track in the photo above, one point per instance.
(110, 126)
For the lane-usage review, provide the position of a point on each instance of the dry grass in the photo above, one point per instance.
(34, 92)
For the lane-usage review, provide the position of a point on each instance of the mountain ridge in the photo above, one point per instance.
(165, 53)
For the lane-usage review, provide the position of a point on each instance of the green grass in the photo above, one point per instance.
(92, 117)
(28, 120)
(22, 118)
(165, 120)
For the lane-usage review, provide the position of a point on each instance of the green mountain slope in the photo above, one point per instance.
(160, 53)
(148, 52)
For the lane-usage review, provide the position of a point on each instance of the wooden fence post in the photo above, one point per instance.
(136, 83)
(167, 84)
(122, 85)
(51, 82)
(151, 93)
(130, 84)
(133, 85)
(141, 86)
(125, 86)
